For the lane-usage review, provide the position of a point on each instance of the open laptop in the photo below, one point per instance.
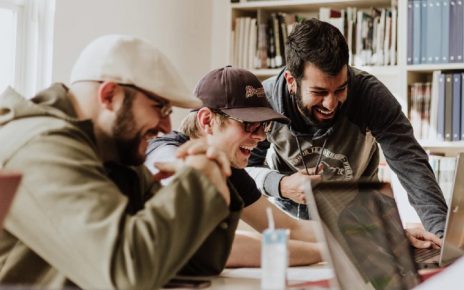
(9, 182)
(453, 238)
(365, 239)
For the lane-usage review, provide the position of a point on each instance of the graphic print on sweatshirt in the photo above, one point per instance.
(335, 166)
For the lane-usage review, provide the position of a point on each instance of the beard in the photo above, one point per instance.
(308, 114)
(127, 145)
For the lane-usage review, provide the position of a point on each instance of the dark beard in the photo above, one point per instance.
(308, 115)
(126, 146)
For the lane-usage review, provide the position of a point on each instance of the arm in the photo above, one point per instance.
(246, 249)
(403, 153)
(89, 237)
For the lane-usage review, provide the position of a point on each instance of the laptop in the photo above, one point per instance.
(9, 182)
(366, 244)
(453, 238)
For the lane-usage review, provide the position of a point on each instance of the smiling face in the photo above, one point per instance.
(131, 130)
(231, 137)
(320, 95)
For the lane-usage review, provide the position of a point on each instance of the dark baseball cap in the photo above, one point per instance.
(238, 93)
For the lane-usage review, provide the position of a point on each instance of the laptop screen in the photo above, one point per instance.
(362, 218)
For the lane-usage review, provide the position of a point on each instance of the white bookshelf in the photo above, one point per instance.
(396, 77)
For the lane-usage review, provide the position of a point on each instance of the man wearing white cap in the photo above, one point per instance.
(80, 149)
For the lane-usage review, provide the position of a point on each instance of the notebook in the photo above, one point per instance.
(9, 182)
(366, 244)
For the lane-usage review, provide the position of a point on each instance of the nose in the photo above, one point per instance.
(330, 102)
(165, 125)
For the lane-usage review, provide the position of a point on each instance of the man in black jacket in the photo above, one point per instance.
(338, 115)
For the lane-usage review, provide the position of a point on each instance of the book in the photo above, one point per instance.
(456, 126)
(441, 108)
(409, 52)
(448, 106)
(416, 34)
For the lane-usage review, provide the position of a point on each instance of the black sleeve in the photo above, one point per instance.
(383, 116)
(258, 155)
(245, 186)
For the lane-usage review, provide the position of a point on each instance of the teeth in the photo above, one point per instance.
(247, 147)
(324, 112)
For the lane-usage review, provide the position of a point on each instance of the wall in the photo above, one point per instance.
(182, 29)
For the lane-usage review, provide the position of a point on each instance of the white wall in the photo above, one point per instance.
(182, 29)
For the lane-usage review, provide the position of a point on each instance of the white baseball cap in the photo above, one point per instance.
(132, 61)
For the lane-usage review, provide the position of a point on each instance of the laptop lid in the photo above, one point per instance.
(364, 234)
(453, 241)
(9, 182)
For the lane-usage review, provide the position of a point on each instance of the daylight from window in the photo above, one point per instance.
(7, 48)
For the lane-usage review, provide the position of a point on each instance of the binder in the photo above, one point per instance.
(433, 31)
(409, 53)
(416, 32)
(456, 115)
(448, 106)
(445, 12)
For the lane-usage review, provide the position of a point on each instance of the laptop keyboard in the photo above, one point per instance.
(422, 255)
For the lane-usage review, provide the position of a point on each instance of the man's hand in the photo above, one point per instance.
(292, 186)
(422, 239)
(208, 159)
(205, 146)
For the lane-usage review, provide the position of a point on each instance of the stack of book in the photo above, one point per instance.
(436, 109)
(435, 31)
(259, 43)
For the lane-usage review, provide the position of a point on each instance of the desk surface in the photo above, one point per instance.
(250, 278)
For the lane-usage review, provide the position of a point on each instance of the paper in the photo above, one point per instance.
(294, 274)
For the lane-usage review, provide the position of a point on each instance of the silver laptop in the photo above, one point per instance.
(453, 243)
(453, 239)
(9, 182)
(366, 244)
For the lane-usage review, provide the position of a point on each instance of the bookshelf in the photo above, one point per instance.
(398, 75)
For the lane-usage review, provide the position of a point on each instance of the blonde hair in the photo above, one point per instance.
(190, 126)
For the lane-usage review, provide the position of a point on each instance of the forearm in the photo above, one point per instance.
(246, 251)
(303, 230)
(304, 253)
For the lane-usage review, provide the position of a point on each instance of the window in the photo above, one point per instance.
(26, 28)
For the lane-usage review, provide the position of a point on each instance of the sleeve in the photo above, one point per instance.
(267, 180)
(403, 153)
(245, 186)
(165, 153)
(82, 229)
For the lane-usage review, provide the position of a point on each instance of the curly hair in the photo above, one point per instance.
(319, 43)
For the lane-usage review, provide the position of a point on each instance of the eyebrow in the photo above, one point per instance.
(324, 89)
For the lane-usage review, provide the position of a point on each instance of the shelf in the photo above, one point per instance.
(266, 72)
(426, 68)
(431, 144)
(298, 5)
(387, 70)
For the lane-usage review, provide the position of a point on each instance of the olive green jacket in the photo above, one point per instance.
(69, 223)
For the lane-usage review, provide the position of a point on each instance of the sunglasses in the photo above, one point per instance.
(164, 106)
(249, 127)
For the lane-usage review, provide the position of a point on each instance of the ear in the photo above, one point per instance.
(291, 82)
(107, 93)
(205, 120)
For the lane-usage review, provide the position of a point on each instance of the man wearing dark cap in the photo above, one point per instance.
(81, 151)
(234, 117)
